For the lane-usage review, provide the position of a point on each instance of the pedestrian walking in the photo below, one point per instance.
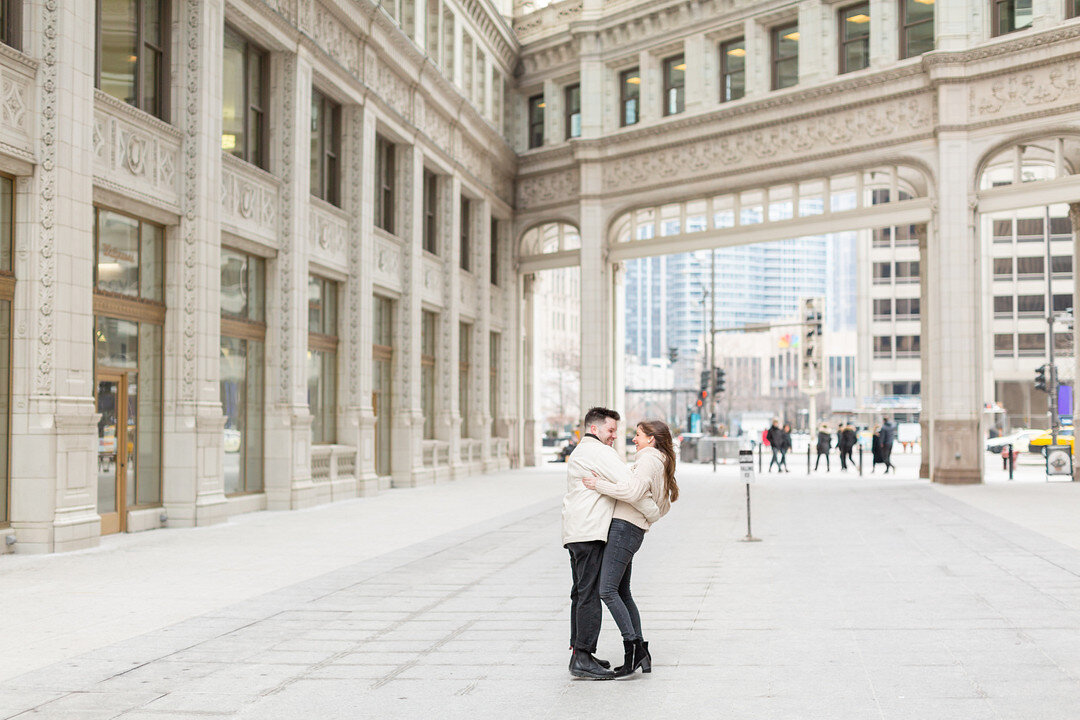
(655, 463)
(586, 522)
(785, 446)
(888, 437)
(875, 449)
(772, 439)
(846, 443)
(824, 444)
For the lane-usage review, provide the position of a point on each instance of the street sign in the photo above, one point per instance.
(1058, 461)
(746, 465)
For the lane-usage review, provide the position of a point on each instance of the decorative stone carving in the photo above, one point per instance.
(328, 232)
(1024, 92)
(285, 8)
(249, 200)
(337, 40)
(387, 85)
(432, 281)
(467, 287)
(43, 370)
(877, 124)
(135, 154)
(536, 190)
(193, 124)
(16, 101)
(388, 263)
(285, 272)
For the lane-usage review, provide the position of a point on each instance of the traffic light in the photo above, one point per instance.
(704, 385)
(718, 380)
(811, 349)
(673, 355)
(1040, 378)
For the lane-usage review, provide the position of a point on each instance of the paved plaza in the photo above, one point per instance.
(867, 598)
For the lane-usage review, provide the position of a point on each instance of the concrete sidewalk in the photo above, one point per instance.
(868, 598)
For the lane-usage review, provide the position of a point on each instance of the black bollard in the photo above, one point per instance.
(760, 449)
(808, 459)
(860, 459)
(714, 456)
(1012, 461)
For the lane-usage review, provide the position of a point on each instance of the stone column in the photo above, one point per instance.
(358, 185)
(954, 338)
(758, 66)
(408, 422)
(925, 372)
(884, 44)
(1046, 13)
(592, 78)
(481, 363)
(814, 35)
(192, 477)
(957, 22)
(288, 434)
(695, 58)
(450, 415)
(54, 424)
(597, 284)
(650, 103)
(553, 124)
(526, 343)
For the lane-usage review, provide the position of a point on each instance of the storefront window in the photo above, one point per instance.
(322, 359)
(382, 359)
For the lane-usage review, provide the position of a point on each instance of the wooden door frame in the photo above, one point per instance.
(109, 523)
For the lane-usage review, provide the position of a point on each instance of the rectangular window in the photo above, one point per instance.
(1031, 344)
(481, 80)
(882, 308)
(11, 35)
(674, 85)
(464, 355)
(1072, 8)
(855, 37)
(1002, 231)
(536, 121)
(1003, 344)
(325, 148)
(1003, 268)
(1030, 305)
(129, 318)
(494, 251)
(427, 372)
(910, 235)
(431, 212)
(916, 27)
(244, 99)
(242, 381)
(467, 80)
(408, 18)
(883, 346)
(466, 234)
(907, 308)
(132, 37)
(1029, 268)
(732, 70)
(448, 52)
(384, 184)
(1003, 306)
(322, 359)
(432, 35)
(1063, 302)
(7, 296)
(1010, 15)
(907, 346)
(1029, 229)
(1061, 266)
(907, 271)
(785, 56)
(382, 353)
(573, 111)
(493, 380)
(629, 97)
(882, 273)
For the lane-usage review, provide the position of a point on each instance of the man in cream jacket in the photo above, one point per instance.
(586, 516)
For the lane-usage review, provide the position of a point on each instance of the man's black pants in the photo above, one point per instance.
(586, 610)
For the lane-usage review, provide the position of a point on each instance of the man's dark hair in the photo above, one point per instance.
(597, 416)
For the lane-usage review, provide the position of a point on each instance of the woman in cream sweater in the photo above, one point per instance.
(655, 462)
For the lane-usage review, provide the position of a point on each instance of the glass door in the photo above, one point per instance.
(116, 401)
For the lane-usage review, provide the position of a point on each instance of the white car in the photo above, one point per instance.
(1019, 439)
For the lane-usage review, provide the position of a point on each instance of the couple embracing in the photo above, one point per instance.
(608, 507)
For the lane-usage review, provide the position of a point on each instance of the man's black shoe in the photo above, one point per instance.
(602, 663)
(584, 665)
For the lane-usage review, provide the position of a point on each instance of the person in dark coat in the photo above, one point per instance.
(846, 443)
(875, 449)
(785, 445)
(824, 443)
(772, 439)
(888, 437)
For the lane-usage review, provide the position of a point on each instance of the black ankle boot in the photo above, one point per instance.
(584, 665)
(629, 665)
(646, 658)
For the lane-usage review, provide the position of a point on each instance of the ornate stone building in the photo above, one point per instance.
(274, 253)
(665, 127)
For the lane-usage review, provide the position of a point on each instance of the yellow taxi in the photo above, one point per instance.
(1039, 443)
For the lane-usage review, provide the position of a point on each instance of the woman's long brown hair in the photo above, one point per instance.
(658, 431)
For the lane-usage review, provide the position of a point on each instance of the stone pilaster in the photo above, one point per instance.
(358, 185)
(758, 74)
(1074, 219)
(288, 434)
(53, 421)
(192, 479)
(408, 424)
(527, 366)
(926, 400)
(884, 19)
(814, 45)
(592, 78)
(450, 416)
(597, 333)
(694, 49)
(957, 22)
(481, 363)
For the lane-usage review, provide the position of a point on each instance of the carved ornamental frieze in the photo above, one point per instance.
(328, 235)
(388, 263)
(250, 199)
(1044, 89)
(548, 189)
(16, 106)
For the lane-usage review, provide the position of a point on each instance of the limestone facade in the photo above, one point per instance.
(267, 208)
